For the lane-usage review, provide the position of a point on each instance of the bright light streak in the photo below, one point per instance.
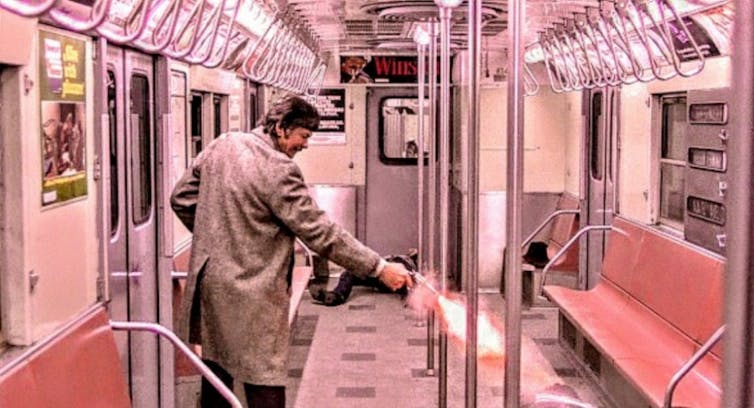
(421, 36)
(448, 3)
(490, 343)
(561, 399)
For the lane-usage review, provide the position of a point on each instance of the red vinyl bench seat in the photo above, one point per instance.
(77, 368)
(658, 301)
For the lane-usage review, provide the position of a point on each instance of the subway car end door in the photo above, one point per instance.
(132, 251)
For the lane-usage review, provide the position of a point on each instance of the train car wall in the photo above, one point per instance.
(51, 246)
(574, 128)
(341, 164)
(17, 33)
(638, 168)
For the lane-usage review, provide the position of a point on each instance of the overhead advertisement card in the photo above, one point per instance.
(62, 87)
(331, 105)
(378, 69)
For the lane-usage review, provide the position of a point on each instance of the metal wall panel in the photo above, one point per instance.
(706, 168)
(339, 202)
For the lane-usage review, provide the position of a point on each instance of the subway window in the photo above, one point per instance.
(196, 124)
(141, 154)
(399, 128)
(217, 113)
(597, 159)
(112, 109)
(672, 161)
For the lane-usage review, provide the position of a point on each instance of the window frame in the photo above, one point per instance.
(659, 132)
(397, 161)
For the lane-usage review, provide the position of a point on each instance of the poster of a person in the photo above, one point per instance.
(63, 139)
(352, 70)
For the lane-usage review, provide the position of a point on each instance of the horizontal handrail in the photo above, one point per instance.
(690, 363)
(195, 360)
(545, 222)
(178, 275)
(308, 252)
(211, 33)
(565, 248)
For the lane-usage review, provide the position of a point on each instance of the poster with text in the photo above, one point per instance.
(331, 105)
(62, 87)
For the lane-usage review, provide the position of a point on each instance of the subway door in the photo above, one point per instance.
(602, 113)
(132, 256)
(391, 182)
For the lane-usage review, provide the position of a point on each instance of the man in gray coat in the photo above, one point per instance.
(245, 200)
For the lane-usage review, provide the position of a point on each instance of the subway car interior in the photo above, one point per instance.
(568, 181)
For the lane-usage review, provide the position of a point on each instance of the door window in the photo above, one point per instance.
(112, 111)
(597, 159)
(141, 154)
(672, 161)
(399, 128)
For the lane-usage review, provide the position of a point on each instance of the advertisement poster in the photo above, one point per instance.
(62, 87)
(378, 69)
(331, 105)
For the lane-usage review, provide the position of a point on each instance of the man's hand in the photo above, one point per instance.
(395, 276)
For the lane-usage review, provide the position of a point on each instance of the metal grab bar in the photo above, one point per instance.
(99, 10)
(567, 246)
(140, 8)
(178, 275)
(545, 222)
(666, 36)
(690, 363)
(195, 360)
(192, 20)
(531, 86)
(27, 10)
(307, 251)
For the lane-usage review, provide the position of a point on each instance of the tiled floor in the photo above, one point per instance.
(371, 352)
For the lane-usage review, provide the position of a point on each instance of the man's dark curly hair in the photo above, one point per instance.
(291, 112)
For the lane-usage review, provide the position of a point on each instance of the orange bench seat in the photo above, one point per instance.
(78, 367)
(658, 301)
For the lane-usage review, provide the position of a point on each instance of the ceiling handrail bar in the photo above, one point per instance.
(547, 56)
(531, 86)
(602, 27)
(567, 46)
(644, 37)
(316, 79)
(560, 64)
(597, 69)
(151, 42)
(284, 51)
(274, 56)
(141, 8)
(663, 27)
(612, 74)
(209, 50)
(27, 10)
(193, 18)
(202, 48)
(99, 9)
(300, 56)
(235, 57)
(571, 77)
(249, 67)
(624, 42)
(586, 74)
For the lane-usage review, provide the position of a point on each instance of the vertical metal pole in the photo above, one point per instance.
(471, 239)
(421, 51)
(738, 378)
(444, 184)
(514, 189)
(432, 193)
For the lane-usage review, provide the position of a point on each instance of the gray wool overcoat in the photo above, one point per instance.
(245, 202)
